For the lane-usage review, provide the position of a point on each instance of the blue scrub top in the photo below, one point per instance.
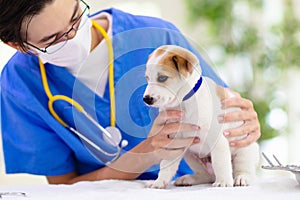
(34, 142)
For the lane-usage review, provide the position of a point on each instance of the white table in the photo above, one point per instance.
(275, 188)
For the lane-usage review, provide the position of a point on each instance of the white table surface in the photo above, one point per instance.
(275, 188)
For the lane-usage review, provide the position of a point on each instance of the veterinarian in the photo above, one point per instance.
(69, 60)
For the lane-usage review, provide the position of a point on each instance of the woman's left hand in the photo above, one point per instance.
(251, 126)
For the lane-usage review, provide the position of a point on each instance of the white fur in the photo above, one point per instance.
(231, 166)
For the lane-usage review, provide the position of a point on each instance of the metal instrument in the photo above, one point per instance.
(12, 194)
(295, 169)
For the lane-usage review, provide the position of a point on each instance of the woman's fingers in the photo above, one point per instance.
(166, 136)
(162, 119)
(175, 143)
(236, 116)
(249, 139)
(162, 136)
(237, 102)
(168, 123)
(177, 127)
(246, 128)
(166, 115)
(167, 148)
(250, 128)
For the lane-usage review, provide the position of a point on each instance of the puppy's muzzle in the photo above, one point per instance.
(148, 100)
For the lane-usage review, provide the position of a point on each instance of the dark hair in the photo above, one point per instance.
(13, 14)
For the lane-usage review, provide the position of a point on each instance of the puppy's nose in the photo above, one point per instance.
(148, 99)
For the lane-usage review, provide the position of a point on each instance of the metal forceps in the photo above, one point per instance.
(12, 194)
(291, 168)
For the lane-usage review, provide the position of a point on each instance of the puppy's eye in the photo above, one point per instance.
(162, 78)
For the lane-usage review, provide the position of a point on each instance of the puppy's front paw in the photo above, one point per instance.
(186, 180)
(242, 180)
(157, 184)
(223, 183)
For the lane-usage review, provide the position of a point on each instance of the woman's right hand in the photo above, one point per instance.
(159, 145)
(161, 137)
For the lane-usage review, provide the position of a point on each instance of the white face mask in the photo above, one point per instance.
(75, 51)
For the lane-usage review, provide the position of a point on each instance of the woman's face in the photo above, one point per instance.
(52, 22)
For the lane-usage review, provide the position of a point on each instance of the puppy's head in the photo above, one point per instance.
(168, 71)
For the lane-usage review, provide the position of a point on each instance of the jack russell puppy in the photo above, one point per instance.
(175, 82)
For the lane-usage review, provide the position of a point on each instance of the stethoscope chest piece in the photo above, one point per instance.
(115, 137)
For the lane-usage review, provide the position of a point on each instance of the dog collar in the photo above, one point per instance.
(194, 90)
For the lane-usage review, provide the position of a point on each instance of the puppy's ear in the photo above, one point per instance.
(191, 61)
(184, 62)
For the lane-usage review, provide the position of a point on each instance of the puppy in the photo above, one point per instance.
(175, 82)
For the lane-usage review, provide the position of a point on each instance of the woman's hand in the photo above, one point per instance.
(162, 138)
(251, 126)
(159, 145)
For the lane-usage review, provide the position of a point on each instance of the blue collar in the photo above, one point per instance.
(194, 90)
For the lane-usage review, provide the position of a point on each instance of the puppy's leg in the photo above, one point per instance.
(221, 163)
(168, 168)
(244, 164)
(200, 175)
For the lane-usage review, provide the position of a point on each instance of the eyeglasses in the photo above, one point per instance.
(62, 40)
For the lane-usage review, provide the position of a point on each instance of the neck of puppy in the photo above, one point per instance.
(191, 81)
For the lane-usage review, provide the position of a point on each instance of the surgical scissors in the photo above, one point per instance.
(291, 168)
(14, 194)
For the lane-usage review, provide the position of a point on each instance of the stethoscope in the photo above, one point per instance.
(112, 135)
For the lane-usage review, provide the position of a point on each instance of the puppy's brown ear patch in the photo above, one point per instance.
(156, 53)
(191, 61)
(222, 93)
(184, 60)
(180, 64)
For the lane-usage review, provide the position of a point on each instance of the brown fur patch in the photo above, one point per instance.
(177, 58)
(221, 92)
(169, 71)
